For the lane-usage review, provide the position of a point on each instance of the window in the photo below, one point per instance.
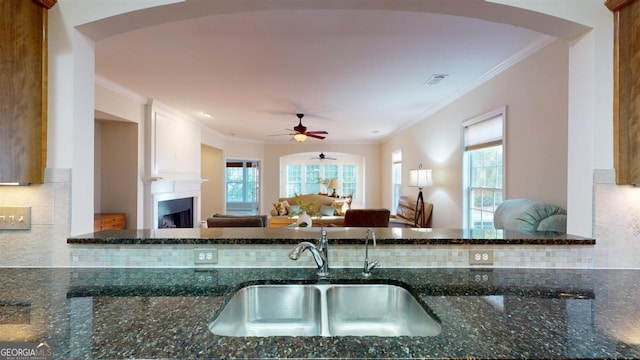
(483, 172)
(312, 179)
(242, 182)
(349, 180)
(235, 182)
(330, 172)
(396, 179)
(294, 180)
(305, 178)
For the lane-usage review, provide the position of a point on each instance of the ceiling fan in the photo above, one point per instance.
(300, 132)
(322, 156)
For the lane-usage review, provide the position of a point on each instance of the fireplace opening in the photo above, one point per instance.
(175, 213)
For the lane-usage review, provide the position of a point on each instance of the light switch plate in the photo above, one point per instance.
(15, 217)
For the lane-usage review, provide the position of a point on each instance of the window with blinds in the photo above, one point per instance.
(396, 179)
(483, 168)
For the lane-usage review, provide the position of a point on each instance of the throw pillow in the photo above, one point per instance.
(327, 210)
(293, 210)
(341, 207)
(281, 207)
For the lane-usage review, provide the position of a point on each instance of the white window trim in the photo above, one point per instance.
(394, 201)
(501, 111)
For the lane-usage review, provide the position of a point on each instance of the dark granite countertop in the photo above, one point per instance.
(164, 313)
(338, 235)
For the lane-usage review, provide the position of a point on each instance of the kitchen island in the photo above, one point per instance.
(120, 313)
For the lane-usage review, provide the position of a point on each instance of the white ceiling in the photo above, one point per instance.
(357, 71)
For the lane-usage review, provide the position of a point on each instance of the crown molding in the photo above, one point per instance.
(119, 89)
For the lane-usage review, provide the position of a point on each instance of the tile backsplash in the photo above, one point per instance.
(535, 256)
(45, 243)
(616, 223)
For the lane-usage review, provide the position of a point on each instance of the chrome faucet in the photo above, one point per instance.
(368, 266)
(320, 253)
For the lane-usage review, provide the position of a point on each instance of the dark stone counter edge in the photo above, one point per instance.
(336, 241)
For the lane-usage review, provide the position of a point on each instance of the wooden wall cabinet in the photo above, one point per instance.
(23, 90)
(626, 78)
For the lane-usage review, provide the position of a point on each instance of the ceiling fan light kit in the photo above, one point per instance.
(300, 133)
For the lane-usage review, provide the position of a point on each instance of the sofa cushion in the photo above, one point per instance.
(281, 207)
(367, 217)
(341, 205)
(221, 220)
(529, 215)
(557, 223)
(406, 208)
(293, 210)
(406, 213)
(327, 210)
(310, 203)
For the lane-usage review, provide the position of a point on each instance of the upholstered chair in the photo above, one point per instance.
(367, 218)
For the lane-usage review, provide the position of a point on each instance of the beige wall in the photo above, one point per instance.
(535, 93)
(213, 168)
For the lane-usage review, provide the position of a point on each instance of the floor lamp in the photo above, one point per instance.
(420, 178)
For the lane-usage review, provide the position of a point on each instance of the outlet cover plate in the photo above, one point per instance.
(480, 257)
(205, 256)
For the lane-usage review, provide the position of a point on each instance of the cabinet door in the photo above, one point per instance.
(23, 91)
(626, 77)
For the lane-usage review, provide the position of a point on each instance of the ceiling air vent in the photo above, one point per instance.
(435, 78)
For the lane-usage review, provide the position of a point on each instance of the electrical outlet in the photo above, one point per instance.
(480, 257)
(205, 256)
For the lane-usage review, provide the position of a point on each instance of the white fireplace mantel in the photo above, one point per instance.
(172, 160)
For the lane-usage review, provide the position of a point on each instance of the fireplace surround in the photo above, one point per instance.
(174, 204)
(175, 213)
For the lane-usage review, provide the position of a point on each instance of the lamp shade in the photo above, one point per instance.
(300, 137)
(420, 178)
(333, 184)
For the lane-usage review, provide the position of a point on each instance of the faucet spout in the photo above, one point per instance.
(368, 266)
(297, 251)
(320, 253)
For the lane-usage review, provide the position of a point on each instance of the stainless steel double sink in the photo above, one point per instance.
(324, 310)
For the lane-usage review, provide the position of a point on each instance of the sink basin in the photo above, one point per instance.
(377, 310)
(271, 310)
(324, 310)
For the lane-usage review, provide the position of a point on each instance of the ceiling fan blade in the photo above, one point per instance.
(322, 132)
(315, 136)
(281, 134)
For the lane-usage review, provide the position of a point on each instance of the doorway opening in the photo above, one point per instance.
(242, 182)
